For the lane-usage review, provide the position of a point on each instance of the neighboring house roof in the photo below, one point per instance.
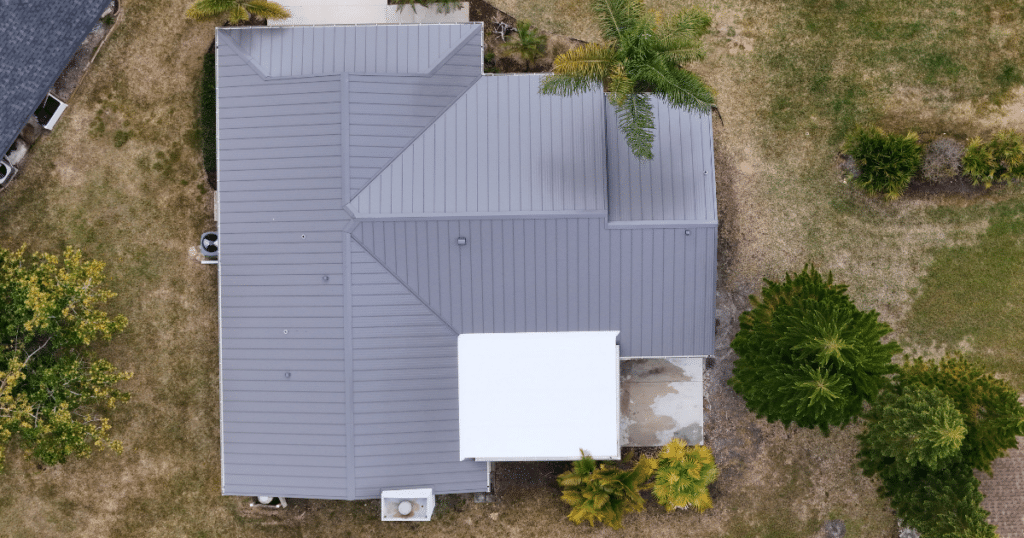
(351, 160)
(37, 40)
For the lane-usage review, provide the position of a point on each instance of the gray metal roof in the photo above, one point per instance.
(312, 51)
(37, 40)
(672, 188)
(559, 274)
(503, 149)
(343, 188)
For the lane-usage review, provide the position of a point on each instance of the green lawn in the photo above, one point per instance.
(972, 299)
(792, 78)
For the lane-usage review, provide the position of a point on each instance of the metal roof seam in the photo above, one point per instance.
(350, 441)
(426, 304)
(412, 140)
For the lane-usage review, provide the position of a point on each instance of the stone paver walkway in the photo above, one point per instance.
(1004, 493)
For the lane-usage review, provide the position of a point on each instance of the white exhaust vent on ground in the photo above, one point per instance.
(268, 501)
(407, 504)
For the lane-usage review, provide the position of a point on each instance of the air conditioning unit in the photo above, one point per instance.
(407, 504)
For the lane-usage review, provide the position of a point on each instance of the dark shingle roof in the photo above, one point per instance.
(351, 159)
(37, 40)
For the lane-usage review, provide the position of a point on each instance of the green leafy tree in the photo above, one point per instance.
(236, 11)
(530, 45)
(51, 387)
(683, 476)
(641, 55)
(993, 416)
(807, 355)
(604, 492)
(942, 503)
(919, 429)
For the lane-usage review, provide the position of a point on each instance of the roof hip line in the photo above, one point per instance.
(404, 284)
(432, 73)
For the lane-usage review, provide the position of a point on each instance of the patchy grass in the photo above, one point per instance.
(970, 301)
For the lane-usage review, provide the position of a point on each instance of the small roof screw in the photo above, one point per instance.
(326, 278)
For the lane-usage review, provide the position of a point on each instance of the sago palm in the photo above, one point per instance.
(603, 492)
(641, 56)
(531, 43)
(683, 476)
(236, 10)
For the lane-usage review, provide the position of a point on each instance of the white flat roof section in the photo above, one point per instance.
(538, 396)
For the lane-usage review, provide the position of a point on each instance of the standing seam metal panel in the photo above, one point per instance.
(571, 187)
(678, 185)
(566, 293)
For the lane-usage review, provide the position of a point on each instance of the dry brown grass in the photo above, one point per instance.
(140, 207)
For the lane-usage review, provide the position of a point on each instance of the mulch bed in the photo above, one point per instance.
(505, 61)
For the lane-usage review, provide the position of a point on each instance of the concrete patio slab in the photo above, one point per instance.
(331, 12)
(661, 399)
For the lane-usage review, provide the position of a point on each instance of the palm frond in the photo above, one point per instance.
(617, 18)
(591, 61)
(681, 49)
(692, 22)
(267, 9)
(636, 121)
(619, 86)
(205, 10)
(579, 70)
(678, 86)
(237, 14)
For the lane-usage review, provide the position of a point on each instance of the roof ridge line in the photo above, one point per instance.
(482, 215)
(477, 31)
(404, 284)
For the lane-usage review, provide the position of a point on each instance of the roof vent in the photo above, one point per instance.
(7, 171)
(407, 504)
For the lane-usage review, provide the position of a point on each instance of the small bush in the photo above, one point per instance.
(996, 161)
(887, 162)
(683, 476)
(942, 161)
(208, 112)
(530, 45)
(121, 137)
(603, 492)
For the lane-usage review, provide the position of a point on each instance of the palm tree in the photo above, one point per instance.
(641, 56)
(530, 45)
(236, 10)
